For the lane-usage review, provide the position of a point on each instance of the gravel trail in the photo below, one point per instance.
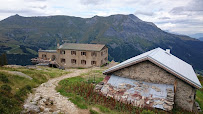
(45, 99)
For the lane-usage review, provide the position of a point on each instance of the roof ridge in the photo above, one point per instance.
(153, 52)
(83, 43)
(84, 47)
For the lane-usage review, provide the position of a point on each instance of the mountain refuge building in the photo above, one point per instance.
(74, 55)
(153, 79)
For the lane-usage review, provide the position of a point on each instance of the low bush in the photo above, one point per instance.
(147, 112)
(6, 88)
(93, 112)
(3, 78)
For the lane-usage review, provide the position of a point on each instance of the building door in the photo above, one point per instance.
(53, 57)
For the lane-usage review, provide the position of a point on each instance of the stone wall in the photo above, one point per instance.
(149, 72)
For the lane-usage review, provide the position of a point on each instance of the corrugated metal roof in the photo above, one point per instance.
(87, 47)
(166, 60)
(50, 51)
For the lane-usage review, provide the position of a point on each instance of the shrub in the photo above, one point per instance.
(147, 112)
(6, 88)
(9, 105)
(28, 87)
(104, 109)
(3, 78)
(22, 92)
(93, 112)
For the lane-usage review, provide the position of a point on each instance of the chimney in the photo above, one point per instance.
(168, 51)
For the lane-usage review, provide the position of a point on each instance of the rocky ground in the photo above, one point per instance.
(45, 99)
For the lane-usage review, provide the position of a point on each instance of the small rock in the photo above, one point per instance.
(98, 87)
(46, 110)
(41, 108)
(167, 107)
(36, 98)
(56, 112)
(101, 83)
(169, 103)
(33, 108)
(34, 103)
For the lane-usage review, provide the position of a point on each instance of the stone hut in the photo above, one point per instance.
(155, 79)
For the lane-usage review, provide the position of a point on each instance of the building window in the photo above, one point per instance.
(63, 60)
(73, 52)
(94, 54)
(73, 61)
(83, 62)
(83, 53)
(105, 51)
(44, 56)
(101, 53)
(62, 52)
(53, 57)
(93, 62)
(101, 61)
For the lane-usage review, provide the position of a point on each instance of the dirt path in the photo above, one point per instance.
(45, 99)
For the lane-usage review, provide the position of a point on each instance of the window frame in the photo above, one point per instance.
(62, 52)
(73, 52)
(73, 61)
(83, 62)
(83, 53)
(44, 56)
(93, 62)
(102, 53)
(63, 61)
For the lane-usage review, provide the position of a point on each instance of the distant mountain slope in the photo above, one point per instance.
(197, 35)
(201, 39)
(125, 35)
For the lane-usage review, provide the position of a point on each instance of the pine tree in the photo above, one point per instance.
(5, 62)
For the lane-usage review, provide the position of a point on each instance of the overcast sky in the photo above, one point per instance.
(180, 16)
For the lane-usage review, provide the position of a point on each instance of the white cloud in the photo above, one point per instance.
(182, 16)
(138, 12)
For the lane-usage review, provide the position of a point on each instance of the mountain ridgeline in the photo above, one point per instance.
(125, 36)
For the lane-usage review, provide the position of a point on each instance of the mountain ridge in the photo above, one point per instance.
(123, 34)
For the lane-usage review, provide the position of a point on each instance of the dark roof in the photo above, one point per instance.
(49, 51)
(86, 47)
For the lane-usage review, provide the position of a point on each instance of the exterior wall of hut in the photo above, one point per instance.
(149, 72)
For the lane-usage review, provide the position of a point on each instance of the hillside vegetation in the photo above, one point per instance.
(14, 86)
(199, 93)
(125, 36)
